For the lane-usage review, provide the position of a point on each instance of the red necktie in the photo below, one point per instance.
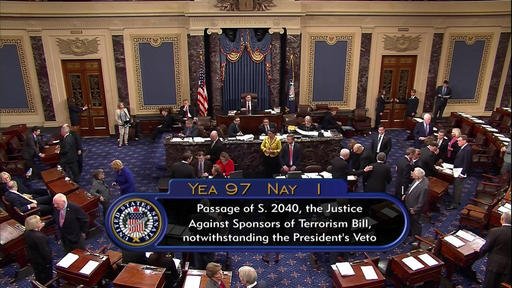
(222, 285)
(291, 155)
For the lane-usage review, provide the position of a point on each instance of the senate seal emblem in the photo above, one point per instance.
(136, 222)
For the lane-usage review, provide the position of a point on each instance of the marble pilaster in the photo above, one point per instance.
(120, 64)
(42, 78)
(499, 61)
(435, 56)
(364, 66)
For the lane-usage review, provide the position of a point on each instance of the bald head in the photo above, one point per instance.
(60, 201)
(214, 135)
(344, 153)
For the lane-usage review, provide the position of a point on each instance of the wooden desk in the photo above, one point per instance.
(62, 186)
(358, 280)
(191, 274)
(403, 275)
(462, 257)
(72, 273)
(140, 276)
(437, 188)
(4, 216)
(51, 157)
(51, 175)
(495, 217)
(12, 242)
(249, 123)
(88, 203)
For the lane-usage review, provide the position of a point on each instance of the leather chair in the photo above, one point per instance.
(11, 165)
(313, 169)
(486, 160)
(362, 123)
(475, 215)
(16, 214)
(303, 110)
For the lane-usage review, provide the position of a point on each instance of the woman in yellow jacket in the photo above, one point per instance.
(271, 146)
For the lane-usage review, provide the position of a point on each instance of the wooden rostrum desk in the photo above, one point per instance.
(403, 275)
(73, 275)
(140, 276)
(358, 280)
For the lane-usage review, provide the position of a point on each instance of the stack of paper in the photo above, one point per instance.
(199, 139)
(412, 263)
(351, 178)
(477, 244)
(192, 281)
(307, 133)
(89, 267)
(327, 133)
(447, 166)
(454, 241)
(325, 174)
(247, 137)
(369, 273)
(428, 259)
(311, 175)
(345, 269)
(504, 208)
(67, 260)
(465, 235)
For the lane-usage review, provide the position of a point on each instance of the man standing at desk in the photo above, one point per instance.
(38, 249)
(423, 130)
(498, 260)
(216, 147)
(290, 155)
(415, 198)
(71, 221)
(461, 166)
(234, 128)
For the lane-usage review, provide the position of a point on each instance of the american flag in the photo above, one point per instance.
(202, 95)
(135, 222)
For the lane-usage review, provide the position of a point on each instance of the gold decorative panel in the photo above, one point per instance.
(78, 46)
(330, 39)
(401, 43)
(156, 40)
(18, 42)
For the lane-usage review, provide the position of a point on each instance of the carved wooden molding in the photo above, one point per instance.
(401, 43)
(245, 5)
(78, 46)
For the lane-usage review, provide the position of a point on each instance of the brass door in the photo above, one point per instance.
(397, 78)
(84, 86)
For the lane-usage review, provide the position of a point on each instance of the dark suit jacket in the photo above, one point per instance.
(419, 131)
(381, 102)
(17, 201)
(329, 122)
(313, 127)
(167, 122)
(74, 114)
(463, 159)
(416, 198)
(439, 91)
(412, 106)
(68, 150)
(443, 149)
(191, 110)
(207, 167)
(191, 132)
(31, 147)
(378, 178)
(427, 162)
(385, 146)
(271, 125)
(403, 174)
(254, 104)
(75, 223)
(38, 249)
(339, 168)
(233, 130)
(497, 245)
(215, 150)
(284, 155)
(182, 170)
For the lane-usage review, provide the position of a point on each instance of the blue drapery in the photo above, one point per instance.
(245, 67)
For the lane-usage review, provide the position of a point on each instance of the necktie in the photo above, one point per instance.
(62, 216)
(291, 155)
(201, 169)
(439, 142)
(249, 105)
(266, 128)
(221, 285)
(444, 91)
(380, 142)
(426, 129)
(188, 113)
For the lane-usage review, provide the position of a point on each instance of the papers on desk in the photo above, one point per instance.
(477, 244)
(327, 133)
(345, 269)
(351, 178)
(369, 273)
(428, 259)
(447, 166)
(454, 241)
(412, 263)
(199, 139)
(492, 129)
(388, 212)
(417, 119)
(504, 208)
(67, 260)
(325, 174)
(307, 133)
(504, 139)
(193, 281)
(246, 137)
(465, 235)
(311, 175)
(89, 267)
(456, 172)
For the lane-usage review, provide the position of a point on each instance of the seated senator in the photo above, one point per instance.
(190, 129)
(166, 125)
(26, 202)
(225, 163)
(308, 125)
(266, 126)
(234, 128)
(248, 104)
(329, 122)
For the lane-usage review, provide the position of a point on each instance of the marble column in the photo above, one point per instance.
(364, 66)
(435, 56)
(42, 78)
(196, 62)
(275, 79)
(215, 73)
(120, 63)
(293, 43)
(505, 97)
(497, 70)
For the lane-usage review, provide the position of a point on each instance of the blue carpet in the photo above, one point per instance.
(146, 160)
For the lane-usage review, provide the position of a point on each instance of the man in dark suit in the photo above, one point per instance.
(71, 221)
(234, 128)
(328, 122)
(379, 176)
(248, 104)
(187, 111)
(428, 158)
(166, 125)
(290, 149)
(423, 130)
(412, 104)
(308, 125)
(23, 186)
(497, 245)
(183, 169)
(26, 202)
(381, 142)
(32, 147)
(201, 166)
(362, 157)
(403, 173)
(216, 147)
(415, 199)
(444, 92)
(68, 153)
(190, 129)
(442, 145)
(74, 112)
(461, 166)
(79, 149)
(379, 108)
(38, 249)
(340, 166)
(266, 126)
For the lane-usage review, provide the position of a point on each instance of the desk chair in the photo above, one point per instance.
(237, 174)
